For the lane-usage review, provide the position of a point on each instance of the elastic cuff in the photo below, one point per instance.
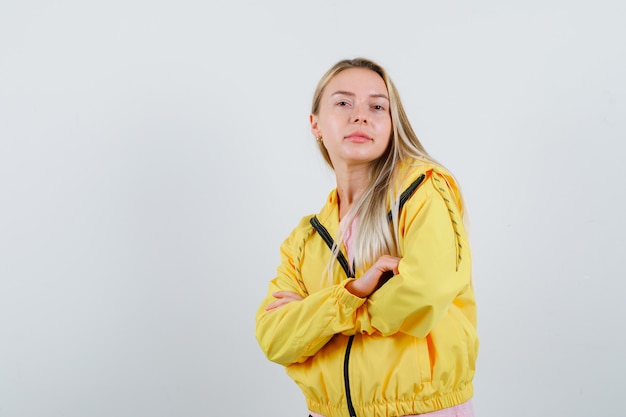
(348, 299)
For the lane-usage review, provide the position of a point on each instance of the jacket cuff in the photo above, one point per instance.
(346, 298)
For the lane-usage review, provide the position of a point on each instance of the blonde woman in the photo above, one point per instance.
(372, 310)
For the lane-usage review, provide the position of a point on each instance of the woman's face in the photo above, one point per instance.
(353, 118)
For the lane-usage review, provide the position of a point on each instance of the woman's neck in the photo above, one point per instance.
(351, 184)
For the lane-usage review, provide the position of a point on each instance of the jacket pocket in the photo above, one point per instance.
(423, 360)
(468, 338)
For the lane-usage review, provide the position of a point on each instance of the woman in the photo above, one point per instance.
(372, 310)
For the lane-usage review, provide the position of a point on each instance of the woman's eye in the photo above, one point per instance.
(378, 107)
(342, 103)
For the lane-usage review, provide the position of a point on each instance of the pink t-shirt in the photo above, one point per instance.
(465, 409)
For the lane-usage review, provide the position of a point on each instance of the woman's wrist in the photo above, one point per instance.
(353, 288)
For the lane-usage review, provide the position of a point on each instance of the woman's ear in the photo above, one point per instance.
(315, 126)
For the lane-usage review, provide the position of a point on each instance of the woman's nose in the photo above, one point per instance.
(359, 116)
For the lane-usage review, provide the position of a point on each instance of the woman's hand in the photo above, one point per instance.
(283, 298)
(370, 280)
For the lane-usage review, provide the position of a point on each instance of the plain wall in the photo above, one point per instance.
(154, 155)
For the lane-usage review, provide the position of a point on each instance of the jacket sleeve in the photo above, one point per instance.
(296, 331)
(435, 266)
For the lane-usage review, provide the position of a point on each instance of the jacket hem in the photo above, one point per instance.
(397, 407)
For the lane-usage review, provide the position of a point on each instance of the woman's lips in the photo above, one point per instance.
(358, 137)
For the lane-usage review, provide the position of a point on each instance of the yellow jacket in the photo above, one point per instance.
(411, 346)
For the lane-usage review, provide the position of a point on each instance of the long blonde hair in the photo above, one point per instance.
(375, 235)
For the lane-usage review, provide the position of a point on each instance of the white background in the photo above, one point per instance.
(154, 154)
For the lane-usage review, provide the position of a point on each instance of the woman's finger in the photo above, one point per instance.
(283, 298)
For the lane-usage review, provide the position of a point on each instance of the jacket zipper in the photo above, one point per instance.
(345, 265)
(346, 377)
(406, 194)
(350, 274)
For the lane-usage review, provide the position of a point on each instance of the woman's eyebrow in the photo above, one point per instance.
(348, 93)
